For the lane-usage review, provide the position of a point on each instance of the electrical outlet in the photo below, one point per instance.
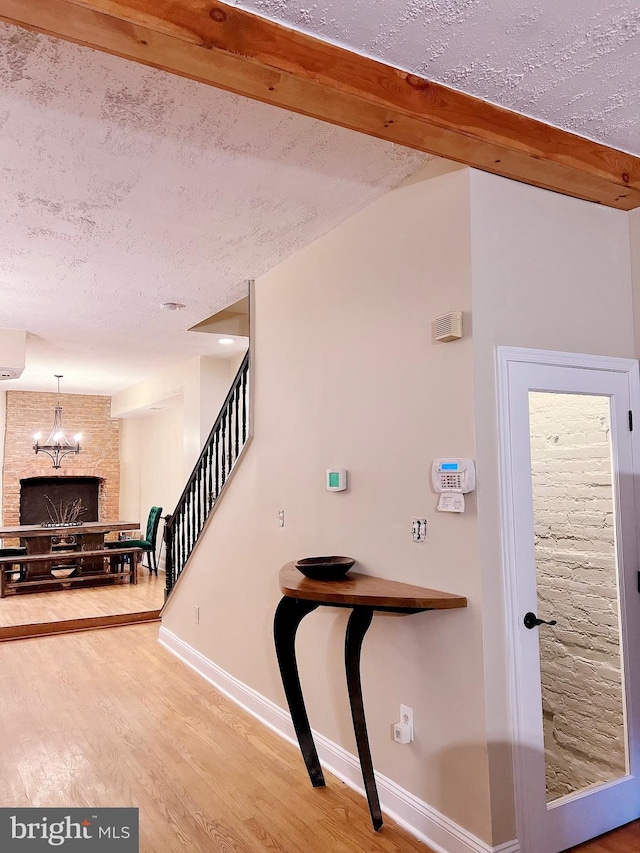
(281, 518)
(401, 733)
(418, 529)
(196, 614)
(406, 717)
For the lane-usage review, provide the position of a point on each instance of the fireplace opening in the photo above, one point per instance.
(36, 493)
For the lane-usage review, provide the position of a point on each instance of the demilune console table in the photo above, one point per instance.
(364, 595)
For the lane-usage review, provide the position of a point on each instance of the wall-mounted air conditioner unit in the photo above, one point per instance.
(13, 348)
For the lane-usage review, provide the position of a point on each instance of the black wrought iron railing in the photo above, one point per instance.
(211, 472)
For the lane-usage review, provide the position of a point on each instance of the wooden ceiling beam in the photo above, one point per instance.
(240, 52)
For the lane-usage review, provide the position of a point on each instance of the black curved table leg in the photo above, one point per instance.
(289, 613)
(357, 626)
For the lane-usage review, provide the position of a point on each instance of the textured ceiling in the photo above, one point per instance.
(571, 63)
(123, 187)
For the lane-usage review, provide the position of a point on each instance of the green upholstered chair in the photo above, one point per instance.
(148, 544)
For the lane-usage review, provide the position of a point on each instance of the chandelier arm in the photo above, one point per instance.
(51, 456)
(67, 452)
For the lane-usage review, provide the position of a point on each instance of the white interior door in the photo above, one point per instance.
(571, 557)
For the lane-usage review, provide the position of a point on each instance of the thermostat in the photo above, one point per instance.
(336, 479)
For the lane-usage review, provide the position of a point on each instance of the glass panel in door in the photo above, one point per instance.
(585, 738)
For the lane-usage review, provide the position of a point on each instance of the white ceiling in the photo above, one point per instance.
(123, 187)
(571, 63)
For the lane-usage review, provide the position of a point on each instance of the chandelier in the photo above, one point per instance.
(57, 446)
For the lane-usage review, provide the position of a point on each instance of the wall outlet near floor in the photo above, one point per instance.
(196, 614)
(418, 529)
(401, 733)
(406, 718)
(281, 518)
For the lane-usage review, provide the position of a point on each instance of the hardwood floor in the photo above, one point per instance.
(106, 718)
(83, 602)
(623, 840)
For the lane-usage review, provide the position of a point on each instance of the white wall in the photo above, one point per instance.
(346, 374)
(151, 464)
(549, 272)
(206, 384)
(159, 449)
(165, 385)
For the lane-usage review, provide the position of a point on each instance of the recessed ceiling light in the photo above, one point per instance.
(172, 306)
(226, 341)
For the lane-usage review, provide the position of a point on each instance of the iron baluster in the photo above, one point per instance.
(203, 489)
(168, 560)
(217, 489)
(175, 522)
(186, 528)
(223, 475)
(210, 491)
(192, 515)
(198, 518)
(236, 422)
(202, 498)
(244, 406)
(183, 558)
(194, 511)
(229, 445)
(219, 454)
(174, 555)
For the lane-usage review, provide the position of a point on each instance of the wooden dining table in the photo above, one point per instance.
(89, 536)
(81, 548)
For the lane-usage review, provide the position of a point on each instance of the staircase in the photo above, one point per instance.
(219, 456)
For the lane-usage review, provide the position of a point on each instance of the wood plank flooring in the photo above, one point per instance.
(106, 718)
(84, 602)
(623, 840)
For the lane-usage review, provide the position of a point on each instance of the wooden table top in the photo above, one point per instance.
(26, 531)
(365, 590)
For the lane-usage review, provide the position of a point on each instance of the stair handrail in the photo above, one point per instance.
(240, 380)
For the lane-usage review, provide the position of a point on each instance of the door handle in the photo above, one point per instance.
(532, 621)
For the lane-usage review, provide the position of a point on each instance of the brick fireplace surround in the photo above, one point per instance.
(30, 412)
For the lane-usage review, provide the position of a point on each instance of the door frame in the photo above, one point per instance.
(504, 357)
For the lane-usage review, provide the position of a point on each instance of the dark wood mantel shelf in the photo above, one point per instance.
(364, 594)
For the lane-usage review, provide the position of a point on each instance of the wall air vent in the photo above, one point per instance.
(13, 345)
(448, 327)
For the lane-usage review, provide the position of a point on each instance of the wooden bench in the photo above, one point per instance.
(75, 558)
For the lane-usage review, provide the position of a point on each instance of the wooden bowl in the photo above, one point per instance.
(63, 571)
(325, 568)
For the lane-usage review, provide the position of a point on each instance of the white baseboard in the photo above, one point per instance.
(416, 816)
